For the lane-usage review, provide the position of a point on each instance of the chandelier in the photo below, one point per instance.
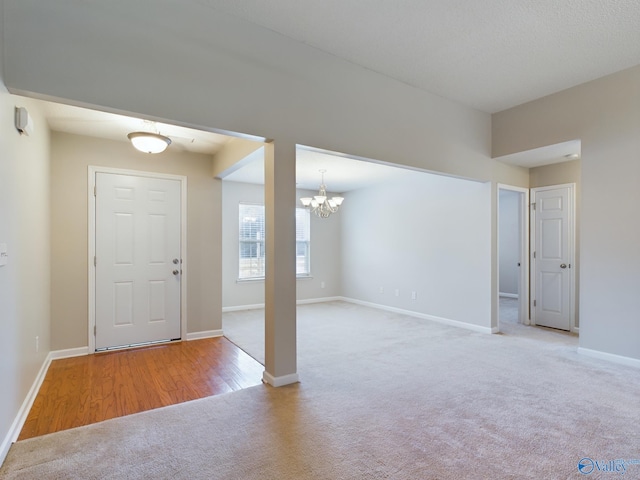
(320, 204)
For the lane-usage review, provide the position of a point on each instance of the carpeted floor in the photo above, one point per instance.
(508, 310)
(383, 396)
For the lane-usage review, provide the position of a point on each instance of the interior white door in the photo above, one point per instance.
(138, 265)
(553, 257)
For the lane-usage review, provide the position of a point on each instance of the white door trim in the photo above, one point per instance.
(572, 250)
(92, 171)
(523, 293)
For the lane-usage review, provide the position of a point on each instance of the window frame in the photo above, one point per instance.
(305, 243)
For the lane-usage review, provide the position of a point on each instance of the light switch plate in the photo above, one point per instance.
(4, 256)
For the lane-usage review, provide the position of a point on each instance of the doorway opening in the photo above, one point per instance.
(513, 255)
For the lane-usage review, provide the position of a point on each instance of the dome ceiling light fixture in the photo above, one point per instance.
(320, 204)
(148, 142)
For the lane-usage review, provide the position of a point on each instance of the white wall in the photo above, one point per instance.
(509, 239)
(427, 233)
(325, 251)
(605, 115)
(24, 281)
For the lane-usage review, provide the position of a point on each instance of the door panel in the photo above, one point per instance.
(553, 257)
(137, 239)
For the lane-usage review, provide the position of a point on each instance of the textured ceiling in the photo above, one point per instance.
(489, 54)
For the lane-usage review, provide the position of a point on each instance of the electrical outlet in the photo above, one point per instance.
(414, 295)
(397, 292)
(381, 289)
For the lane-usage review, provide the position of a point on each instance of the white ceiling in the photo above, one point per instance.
(488, 54)
(342, 173)
(558, 153)
(92, 123)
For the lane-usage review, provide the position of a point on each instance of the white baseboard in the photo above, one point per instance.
(509, 295)
(258, 306)
(23, 412)
(611, 357)
(204, 334)
(280, 381)
(21, 417)
(239, 308)
(69, 352)
(446, 321)
(307, 301)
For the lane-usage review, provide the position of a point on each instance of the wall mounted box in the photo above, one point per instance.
(24, 123)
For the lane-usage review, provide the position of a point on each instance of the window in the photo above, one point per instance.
(251, 242)
(303, 242)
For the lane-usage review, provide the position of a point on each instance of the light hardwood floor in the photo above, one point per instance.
(83, 390)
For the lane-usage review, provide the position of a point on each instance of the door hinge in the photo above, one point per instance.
(534, 303)
(94, 190)
(534, 254)
(95, 262)
(95, 329)
(533, 205)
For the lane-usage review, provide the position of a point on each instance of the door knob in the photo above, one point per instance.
(563, 265)
(176, 261)
(176, 272)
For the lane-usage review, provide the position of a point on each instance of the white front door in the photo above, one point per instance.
(553, 256)
(137, 244)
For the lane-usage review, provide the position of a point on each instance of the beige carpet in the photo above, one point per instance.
(383, 396)
(508, 310)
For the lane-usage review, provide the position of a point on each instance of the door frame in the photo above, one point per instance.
(91, 184)
(572, 252)
(524, 288)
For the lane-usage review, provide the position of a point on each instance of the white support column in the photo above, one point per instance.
(280, 276)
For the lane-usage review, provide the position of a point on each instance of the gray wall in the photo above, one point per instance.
(325, 251)
(427, 233)
(605, 115)
(509, 238)
(287, 90)
(70, 157)
(25, 280)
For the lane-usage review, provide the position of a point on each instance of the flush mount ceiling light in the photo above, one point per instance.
(572, 156)
(148, 142)
(320, 204)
